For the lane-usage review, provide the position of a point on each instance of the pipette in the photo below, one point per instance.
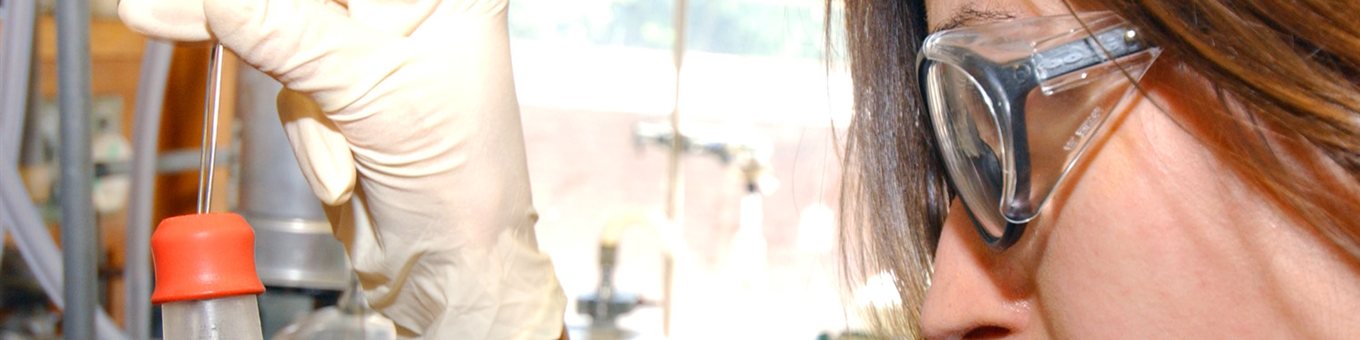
(212, 104)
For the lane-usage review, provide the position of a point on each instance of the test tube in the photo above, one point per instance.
(205, 262)
(205, 277)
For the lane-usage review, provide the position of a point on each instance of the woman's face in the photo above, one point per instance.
(1149, 238)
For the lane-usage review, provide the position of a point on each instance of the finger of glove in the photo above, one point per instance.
(397, 17)
(174, 20)
(322, 152)
(305, 45)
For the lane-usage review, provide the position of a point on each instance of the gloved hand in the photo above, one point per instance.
(414, 101)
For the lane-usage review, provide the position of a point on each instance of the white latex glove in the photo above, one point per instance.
(416, 98)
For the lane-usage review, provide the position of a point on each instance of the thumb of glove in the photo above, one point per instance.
(322, 152)
(310, 47)
(165, 19)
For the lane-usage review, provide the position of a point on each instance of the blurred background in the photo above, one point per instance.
(754, 79)
(739, 243)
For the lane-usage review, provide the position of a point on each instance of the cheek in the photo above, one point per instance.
(1126, 253)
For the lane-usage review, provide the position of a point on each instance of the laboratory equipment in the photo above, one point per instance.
(329, 262)
(350, 318)
(300, 262)
(78, 247)
(17, 213)
(607, 303)
(205, 262)
(155, 71)
(205, 277)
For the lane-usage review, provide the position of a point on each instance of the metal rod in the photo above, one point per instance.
(16, 58)
(16, 207)
(77, 220)
(675, 194)
(211, 104)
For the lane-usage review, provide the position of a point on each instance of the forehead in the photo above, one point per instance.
(944, 14)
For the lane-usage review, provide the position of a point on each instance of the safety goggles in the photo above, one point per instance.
(1014, 105)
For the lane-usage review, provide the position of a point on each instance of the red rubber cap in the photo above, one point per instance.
(204, 256)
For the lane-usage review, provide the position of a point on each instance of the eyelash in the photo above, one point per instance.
(970, 15)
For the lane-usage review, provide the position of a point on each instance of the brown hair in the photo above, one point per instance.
(1286, 73)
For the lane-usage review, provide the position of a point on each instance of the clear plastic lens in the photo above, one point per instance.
(973, 154)
(1061, 125)
(1015, 104)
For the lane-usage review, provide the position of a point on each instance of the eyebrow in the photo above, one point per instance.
(970, 15)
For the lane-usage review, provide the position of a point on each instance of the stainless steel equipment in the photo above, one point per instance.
(293, 243)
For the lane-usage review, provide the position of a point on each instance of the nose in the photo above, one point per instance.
(970, 297)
